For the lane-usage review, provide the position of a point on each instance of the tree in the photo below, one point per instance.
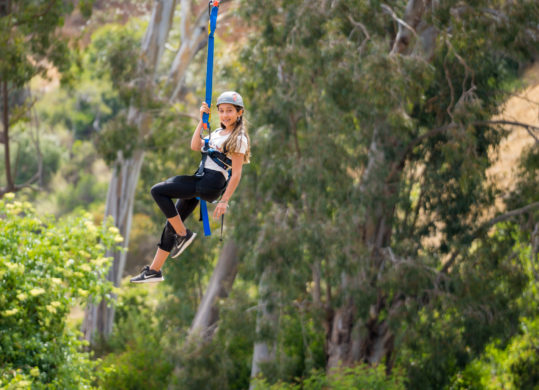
(30, 44)
(372, 139)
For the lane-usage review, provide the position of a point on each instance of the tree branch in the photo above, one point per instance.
(487, 225)
(529, 128)
(32, 18)
(362, 28)
(388, 9)
(15, 118)
(506, 216)
(413, 144)
(412, 18)
(445, 128)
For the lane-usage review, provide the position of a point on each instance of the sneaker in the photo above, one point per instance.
(181, 243)
(148, 275)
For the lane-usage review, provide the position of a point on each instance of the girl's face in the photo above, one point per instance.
(228, 114)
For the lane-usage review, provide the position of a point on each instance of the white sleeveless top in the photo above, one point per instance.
(217, 142)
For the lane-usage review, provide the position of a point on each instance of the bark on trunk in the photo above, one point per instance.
(268, 318)
(205, 321)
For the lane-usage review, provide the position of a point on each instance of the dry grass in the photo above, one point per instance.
(522, 107)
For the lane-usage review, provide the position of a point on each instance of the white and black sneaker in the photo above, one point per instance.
(148, 275)
(181, 243)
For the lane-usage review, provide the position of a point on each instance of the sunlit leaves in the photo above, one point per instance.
(47, 267)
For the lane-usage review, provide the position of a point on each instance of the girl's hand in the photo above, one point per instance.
(204, 109)
(220, 209)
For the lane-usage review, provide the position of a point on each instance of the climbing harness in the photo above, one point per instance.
(219, 158)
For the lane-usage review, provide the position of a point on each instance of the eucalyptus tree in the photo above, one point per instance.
(30, 43)
(373, 127)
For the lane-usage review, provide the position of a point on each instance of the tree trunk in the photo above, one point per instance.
(120, 198)
(205, 321)
(415, 28)
(350, 339)
(267, 319)
(153, 43)
(194, 38)
(10, 185)
(369, 340)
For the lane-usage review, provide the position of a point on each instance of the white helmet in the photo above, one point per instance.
(230, 97)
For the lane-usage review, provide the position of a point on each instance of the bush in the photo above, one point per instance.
(46, 268)
(354, 378)
(137, 357)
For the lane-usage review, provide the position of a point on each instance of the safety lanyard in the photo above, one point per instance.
(214, 9)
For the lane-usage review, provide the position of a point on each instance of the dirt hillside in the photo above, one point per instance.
(521, 107)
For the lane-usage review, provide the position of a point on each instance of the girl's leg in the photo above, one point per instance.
(177, 225)
(176, 187)
(159, 259)
(184, 207)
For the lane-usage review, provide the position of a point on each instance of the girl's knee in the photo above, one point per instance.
(156, 190)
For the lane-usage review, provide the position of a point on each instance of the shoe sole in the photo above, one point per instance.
(151, 280)
(184, 247)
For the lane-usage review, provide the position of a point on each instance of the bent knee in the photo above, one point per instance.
(156, 190)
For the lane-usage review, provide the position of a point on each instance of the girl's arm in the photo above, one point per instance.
(237, 165)
(196, 141)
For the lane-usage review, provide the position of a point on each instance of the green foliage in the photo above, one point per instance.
(106, 58)
(360, 377)
(82, 110)
(100, 87)
(513, 363)
(117, 136)
(22, 58)
(47, 267)
(372, 166)
(137, 357)
(25, 160)
(225, 361)
(513, 367)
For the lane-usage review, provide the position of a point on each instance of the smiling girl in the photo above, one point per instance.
(230, 147)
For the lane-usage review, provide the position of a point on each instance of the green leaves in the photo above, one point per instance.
(46, 268)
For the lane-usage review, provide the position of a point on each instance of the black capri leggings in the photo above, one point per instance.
(186, 189)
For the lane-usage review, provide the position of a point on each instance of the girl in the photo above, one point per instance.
(230, 148)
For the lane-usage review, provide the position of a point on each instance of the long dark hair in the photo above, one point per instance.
(233, 143)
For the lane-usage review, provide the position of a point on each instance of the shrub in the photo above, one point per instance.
(46, 268)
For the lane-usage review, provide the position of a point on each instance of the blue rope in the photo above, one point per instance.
(209, 83)
(209, 64)
(205, 220)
